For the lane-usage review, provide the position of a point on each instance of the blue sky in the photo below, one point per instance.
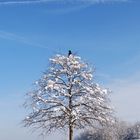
(106, 34)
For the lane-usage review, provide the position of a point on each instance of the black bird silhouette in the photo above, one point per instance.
(69, 53)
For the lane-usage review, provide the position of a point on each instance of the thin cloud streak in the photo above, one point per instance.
(25, 2)
(59, 1)
(21, 39)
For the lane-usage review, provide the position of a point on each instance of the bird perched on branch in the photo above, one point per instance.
(69, 53)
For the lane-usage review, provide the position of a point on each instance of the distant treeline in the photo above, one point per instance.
(120, 130)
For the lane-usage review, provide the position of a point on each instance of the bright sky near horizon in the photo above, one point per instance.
(104, 33)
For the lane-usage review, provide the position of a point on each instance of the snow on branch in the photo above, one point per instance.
(67, 96)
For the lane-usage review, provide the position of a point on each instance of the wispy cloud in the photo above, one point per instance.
(125, 89)
(24, 2)
(125, 97)
(14, 2)
(14, 37)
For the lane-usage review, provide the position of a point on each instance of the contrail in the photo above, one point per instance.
(25, 2)
(58, 1)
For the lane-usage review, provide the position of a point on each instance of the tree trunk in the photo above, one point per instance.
(70, 132)
(70, 113)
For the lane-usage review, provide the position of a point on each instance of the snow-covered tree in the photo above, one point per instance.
(66, 97)
(120, 130)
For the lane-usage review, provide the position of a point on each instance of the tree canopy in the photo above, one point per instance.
(66, 97)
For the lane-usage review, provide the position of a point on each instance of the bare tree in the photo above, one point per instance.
(66, 97)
